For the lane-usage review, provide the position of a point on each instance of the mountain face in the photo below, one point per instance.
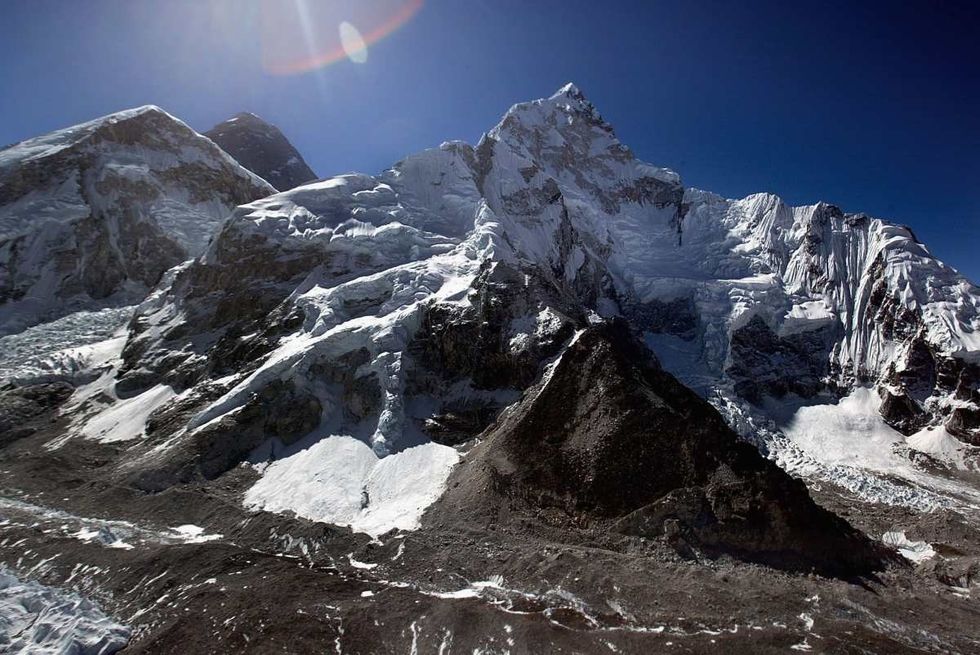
(262, 149)
(447, 278)
(608, 437)
(491, 398)
(99, 211)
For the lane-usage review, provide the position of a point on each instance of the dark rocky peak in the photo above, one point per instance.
(609, 442)
(263, 149)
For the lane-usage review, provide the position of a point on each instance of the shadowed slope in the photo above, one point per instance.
(608, 440)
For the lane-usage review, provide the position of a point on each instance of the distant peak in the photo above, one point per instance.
(243, 118)
(145, 109)
(246, 116)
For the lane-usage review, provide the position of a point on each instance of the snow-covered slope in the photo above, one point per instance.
(262, 149)
(95, 213)
(806, 299)
(411, 307)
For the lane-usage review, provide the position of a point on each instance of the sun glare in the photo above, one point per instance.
(353, 43)
(304, 35)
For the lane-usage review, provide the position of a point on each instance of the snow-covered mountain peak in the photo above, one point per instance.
(103, 208)
(147, 126)
(539, 120)
(416, 303)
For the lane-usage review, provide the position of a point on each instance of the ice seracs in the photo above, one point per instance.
(35, 619)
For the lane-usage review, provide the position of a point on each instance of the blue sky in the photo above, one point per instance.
(872, 106)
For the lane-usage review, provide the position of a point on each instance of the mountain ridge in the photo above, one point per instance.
(491, 395)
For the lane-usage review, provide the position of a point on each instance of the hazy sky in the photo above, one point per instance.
(872, 106)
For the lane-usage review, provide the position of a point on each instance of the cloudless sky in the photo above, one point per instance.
(874, 106)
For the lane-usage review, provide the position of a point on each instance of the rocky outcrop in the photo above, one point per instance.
(262, 149)
(765, 364)
(19, 406)
(609, 441)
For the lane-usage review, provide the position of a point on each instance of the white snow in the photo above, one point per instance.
(126, 418)
(914, 551)
(341, 480)
(937, 442)
(850, 433)
(849, 444)
(194, 534)
(103, 535)
(40, 620)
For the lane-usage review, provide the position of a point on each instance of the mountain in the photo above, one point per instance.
(492, 399)
(475, 261)
(608, 437)
(96, 213)
(262, 149)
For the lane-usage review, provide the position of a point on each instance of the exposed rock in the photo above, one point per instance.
(678, 317)
(262, 149)
(279, 410)
(763, 363)
(19, 405)
(902, 412)
(610, 441)
(964, 423)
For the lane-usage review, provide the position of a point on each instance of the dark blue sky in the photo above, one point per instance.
(872, 106)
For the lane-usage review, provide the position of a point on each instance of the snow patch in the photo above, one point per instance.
(126, 419)
(341, 480)
(937, 442)
(194, 534)
(914, 551)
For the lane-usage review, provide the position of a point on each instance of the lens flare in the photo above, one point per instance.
(303, 35)
(353, 43)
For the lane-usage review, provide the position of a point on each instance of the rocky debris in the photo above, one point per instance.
(609, 441)
(262, 149)
(233, 580)
(20, 405)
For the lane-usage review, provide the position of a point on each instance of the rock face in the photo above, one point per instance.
(262, 149)
(607, 440)
(805, 300)
(100, 210)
